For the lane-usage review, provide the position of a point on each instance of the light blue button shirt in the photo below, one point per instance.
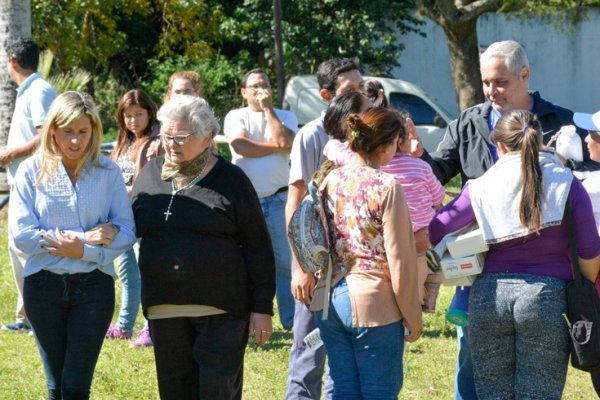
(98, 196)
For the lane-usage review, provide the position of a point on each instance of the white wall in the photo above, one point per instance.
(565, 66)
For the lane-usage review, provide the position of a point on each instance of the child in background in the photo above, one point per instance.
(373, 89)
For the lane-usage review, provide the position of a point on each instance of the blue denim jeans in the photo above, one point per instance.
(273, 208)
(129, 273)
(70, 315)
(364, 363)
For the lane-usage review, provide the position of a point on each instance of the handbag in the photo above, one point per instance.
(310, 239)
(583, 311)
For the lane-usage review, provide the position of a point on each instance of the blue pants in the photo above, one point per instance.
(519, 339)
(306, 366)
(273, 208)
(129, 273)
(364, 363)
(70, 315)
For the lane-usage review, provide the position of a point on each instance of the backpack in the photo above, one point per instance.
(308, 234)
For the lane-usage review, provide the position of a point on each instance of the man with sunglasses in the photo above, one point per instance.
(260, 138)
(467, 150)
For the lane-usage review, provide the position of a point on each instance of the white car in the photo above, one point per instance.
(302, 97)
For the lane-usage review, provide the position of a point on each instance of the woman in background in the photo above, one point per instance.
(72, 218)
(591, 123)
(137, 143)
(184, 82)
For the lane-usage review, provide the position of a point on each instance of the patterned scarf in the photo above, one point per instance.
(184, 173)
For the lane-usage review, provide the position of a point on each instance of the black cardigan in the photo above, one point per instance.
(213, 250)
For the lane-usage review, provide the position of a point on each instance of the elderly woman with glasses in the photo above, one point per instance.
(206, 261)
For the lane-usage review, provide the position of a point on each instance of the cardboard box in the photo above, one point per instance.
(463, 266)
(466, 244)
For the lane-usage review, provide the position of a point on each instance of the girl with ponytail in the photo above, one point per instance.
(519, 339)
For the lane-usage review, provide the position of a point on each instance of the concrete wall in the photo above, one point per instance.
(565, 65)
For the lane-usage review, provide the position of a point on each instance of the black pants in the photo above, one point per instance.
(200, 358)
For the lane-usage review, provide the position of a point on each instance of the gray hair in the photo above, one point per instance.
(190, 109)
(513, 54)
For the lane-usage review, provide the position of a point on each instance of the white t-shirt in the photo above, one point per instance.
(592, 186)
(267, 173)
(34, 97)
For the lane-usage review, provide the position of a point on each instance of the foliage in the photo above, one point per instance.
(316, 30)
(107, 94)
(564, 14)
(221, 78)
(74, 79)
(189, 28)
(83, 33)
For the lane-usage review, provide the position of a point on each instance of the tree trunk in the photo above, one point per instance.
(15, 22)
(464, 63)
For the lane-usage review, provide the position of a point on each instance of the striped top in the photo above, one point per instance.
(422, 189)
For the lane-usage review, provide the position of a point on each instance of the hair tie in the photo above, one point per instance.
(524, 129)
(355, 134)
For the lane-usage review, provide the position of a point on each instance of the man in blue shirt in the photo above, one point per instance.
(34, 96)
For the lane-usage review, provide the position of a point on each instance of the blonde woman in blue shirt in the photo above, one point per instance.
(72, 218)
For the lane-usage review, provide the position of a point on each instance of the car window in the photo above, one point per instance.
(421, 112)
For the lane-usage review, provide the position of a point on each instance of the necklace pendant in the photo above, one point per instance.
(168, 212)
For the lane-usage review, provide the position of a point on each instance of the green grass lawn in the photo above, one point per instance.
(126, 373)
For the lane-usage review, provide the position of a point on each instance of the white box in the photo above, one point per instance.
(466, 244)
(463, 266)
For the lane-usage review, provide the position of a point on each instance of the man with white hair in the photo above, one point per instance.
(467, 149)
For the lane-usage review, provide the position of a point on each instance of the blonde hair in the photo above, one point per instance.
(67, 108)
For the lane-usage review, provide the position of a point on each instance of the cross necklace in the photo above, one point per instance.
(175, 191)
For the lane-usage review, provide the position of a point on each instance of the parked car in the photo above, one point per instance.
(302, 97)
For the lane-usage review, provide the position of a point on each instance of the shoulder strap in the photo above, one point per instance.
(572, 246)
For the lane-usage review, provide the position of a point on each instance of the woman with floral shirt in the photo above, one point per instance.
(374, 295)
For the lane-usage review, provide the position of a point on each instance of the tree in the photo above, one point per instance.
(15, 22)
(458, 19)
(316, 30)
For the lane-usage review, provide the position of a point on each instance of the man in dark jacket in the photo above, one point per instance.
(467, 149)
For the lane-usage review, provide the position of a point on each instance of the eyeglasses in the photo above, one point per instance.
(257, 87)
(179, 139)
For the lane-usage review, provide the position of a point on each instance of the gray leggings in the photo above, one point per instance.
(518, 337)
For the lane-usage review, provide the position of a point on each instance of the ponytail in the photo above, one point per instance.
(530, 209)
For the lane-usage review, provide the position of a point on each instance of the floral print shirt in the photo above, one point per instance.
(374, 245)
